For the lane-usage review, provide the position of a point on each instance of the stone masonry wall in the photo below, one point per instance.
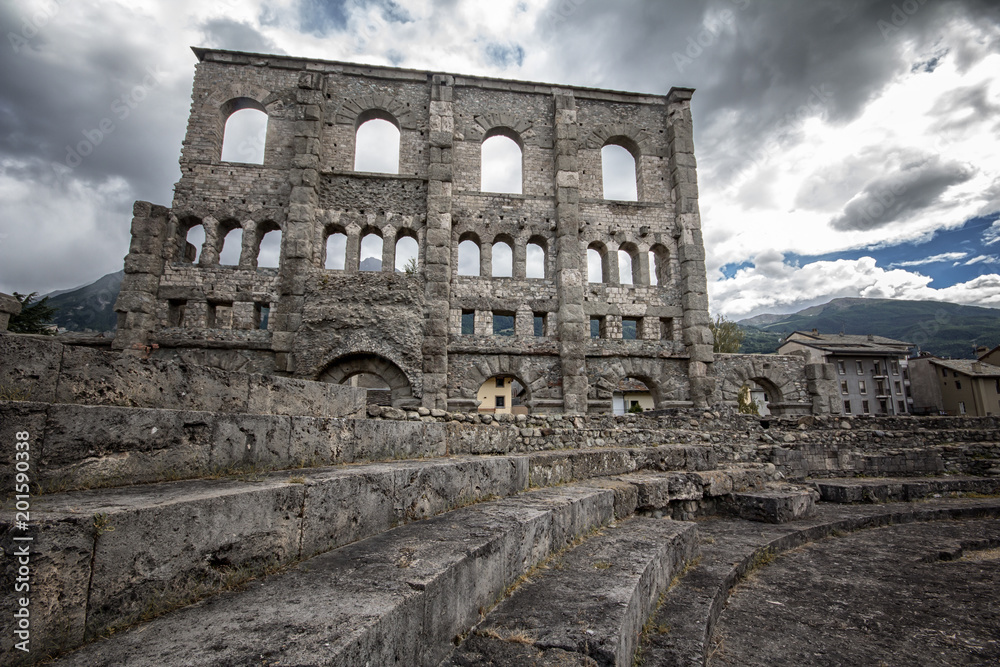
(306, 321)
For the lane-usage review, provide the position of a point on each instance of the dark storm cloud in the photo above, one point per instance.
(236, 36)
(754, 61)
(887, 199)
(100, 104)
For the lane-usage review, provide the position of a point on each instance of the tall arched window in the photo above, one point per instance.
(232, 245)
(245, 132)
(597, 268)
(336, 251)
(501, 164)
(371, 252)
(269, 252)
(468, 258)
(534, 256)
(503, 260)
(406, 254)
(376, 143)
(618, 168)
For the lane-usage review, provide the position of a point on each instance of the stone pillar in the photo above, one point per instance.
(690, 247)
(524, 321)
(389, 250)
(298, 236)
(136, 304)
(520, 261)
(437, 266)
(570, 265)
(9, 307)
(250, 247)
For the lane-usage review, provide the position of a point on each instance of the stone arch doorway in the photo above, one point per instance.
(343, 369)
(765, 394)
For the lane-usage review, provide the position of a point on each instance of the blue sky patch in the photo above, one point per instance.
(949, 257)
(505, 55)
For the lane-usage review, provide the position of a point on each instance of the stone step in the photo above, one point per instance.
(107, 558)
(885, 489)
(681, 629)
(398, 598)
(592, 601)
(777, 503)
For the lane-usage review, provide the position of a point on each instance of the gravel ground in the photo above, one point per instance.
(915, 594)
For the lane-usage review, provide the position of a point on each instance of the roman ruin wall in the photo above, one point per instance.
(306, 321)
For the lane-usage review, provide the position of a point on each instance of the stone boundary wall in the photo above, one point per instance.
(79, 446)
(44, 370)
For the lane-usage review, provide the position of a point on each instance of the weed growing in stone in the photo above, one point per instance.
(10, 393)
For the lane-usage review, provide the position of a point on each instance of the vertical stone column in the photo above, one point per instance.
(300, 223)
(144, 264)
(569, 256)
(681, 163)
(437, 267)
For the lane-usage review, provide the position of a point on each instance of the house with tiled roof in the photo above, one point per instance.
(957, 386)
(871, 370)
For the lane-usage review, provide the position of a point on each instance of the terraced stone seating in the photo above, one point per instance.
(108, 558)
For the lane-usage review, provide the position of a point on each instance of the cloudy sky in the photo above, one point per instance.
(846, 148)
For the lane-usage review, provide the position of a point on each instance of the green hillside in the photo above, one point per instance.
(943, 329)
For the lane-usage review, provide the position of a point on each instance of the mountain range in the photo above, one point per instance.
(940, 328)
(88, 308)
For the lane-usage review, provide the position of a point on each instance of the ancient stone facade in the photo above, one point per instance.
(407, 328)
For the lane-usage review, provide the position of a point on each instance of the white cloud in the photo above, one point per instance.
(771, 285)
(992, 235)
(943, 257)
(983, 259)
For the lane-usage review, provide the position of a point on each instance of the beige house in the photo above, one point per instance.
(502, 396)
(957, 386)
(871, 370)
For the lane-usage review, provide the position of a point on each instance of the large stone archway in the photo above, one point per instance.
(782, 378)
(344, 368)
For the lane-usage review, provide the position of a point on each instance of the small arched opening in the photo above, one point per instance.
(502, 257)
(335, 249)
(534, 257)
(231, 236)
(597, 263)
(370, 258)
(468, 255)
(268, 245)
(407, 249)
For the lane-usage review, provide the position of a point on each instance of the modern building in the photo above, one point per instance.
(871, 370)
(956, 386)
